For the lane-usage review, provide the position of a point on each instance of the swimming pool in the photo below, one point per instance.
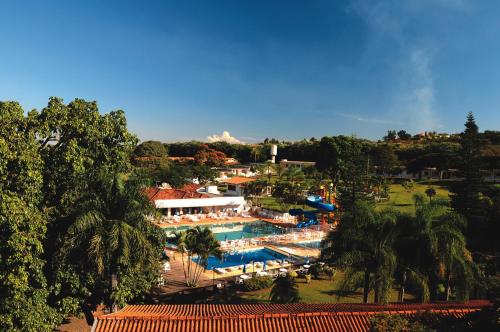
(244, 257)
(236, 230)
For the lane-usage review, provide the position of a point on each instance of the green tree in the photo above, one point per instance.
(354, 174)
(197, 244)
(442, 256)
(294, 175)
(363, 245)
(430, 192)
(391, 135)
(284, 290)
(77, 144)
(386, 159)
(408, 185)
(328, 157)
(114, 240)
(466, 196)
(23, 286)
(150, 149)
(403, 135)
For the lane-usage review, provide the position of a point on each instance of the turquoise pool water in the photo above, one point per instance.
(244, 257)
(237, 230)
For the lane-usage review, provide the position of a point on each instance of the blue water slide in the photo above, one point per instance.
(317, 203)
(311, 216)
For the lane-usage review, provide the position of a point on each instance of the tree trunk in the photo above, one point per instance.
(403, 284)
(366, 287)
(114, 284)
(376, 298)
(448, 286)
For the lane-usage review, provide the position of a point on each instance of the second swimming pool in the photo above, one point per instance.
(244, 257)
(237, 230)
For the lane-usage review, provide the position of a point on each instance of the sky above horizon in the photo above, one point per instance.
(290, 70)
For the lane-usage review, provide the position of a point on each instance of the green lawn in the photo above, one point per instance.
(318, 291)
(273, 204)
(399, 198)
(402, 200)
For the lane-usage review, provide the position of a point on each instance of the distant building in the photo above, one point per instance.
(237, 170)
(297, 163)
(237, 185)
(183, 160)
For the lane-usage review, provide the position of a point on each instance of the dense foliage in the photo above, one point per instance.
(285, 290)
(51, 165)
(23, 224)
(257, 283)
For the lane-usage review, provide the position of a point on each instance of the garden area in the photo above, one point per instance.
(402, 200)
(321, 290)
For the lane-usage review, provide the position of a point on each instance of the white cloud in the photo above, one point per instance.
(414, 96)
(369, 120)
(419, 102)
(224, 137)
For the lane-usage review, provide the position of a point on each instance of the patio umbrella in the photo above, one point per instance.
(244, 268)
(264, 267)
(225, 237)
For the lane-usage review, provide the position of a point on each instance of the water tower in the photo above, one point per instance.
(274, 152)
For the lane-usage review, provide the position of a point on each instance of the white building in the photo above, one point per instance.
(236, 186)
(189, 201)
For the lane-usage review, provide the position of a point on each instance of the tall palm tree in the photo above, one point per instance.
(363, 245)
(294, 174)
(112, 231)
(284, 290)
(432, 250)
(196, 246)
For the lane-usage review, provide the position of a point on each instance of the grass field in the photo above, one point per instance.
(318, 291)
(402, 200)
(273, 204)
(399, 198)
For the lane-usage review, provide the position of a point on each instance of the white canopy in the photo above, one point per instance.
(235, 201)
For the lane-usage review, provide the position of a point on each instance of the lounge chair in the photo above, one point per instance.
(220, 270)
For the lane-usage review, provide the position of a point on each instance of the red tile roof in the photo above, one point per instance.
(239, 180)
(192, 187)
(264, 317)
(154, 194)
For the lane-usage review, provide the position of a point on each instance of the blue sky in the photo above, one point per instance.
(186, 70)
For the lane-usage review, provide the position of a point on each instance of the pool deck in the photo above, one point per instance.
(174, 278)
(211, 221)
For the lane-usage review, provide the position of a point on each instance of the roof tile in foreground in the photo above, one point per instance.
(264, 317)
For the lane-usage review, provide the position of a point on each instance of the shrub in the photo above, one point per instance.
(284, 290)
(257, 283)
(315, 270)
(330, 272)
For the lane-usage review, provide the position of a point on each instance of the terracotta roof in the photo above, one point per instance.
(154, 194)
(264, 317)
(192, 187)
(239, 180)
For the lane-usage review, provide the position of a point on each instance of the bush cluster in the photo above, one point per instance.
(257, 283)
